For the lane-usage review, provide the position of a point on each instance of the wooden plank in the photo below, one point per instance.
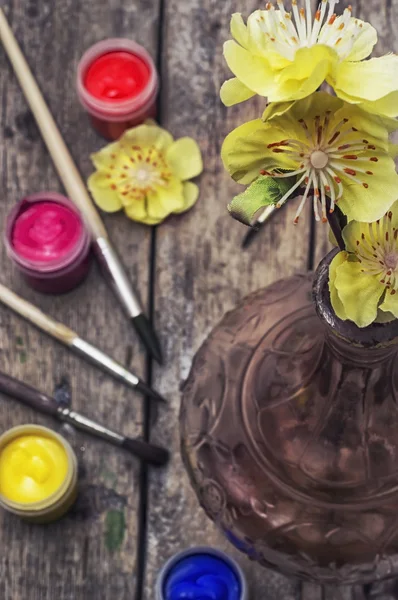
(201, 271)
(76, 557)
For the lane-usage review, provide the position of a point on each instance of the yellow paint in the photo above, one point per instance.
(32, 468)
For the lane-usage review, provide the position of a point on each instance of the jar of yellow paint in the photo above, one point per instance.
(38, 473)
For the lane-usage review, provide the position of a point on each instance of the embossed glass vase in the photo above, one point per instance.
(289, 433)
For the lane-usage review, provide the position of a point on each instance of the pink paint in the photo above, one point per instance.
(117, 83)
(48, 241)
(45, 232)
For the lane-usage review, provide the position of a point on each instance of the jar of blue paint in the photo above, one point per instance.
(200, 574)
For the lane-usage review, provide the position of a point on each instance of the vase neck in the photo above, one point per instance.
(350, 343)
(348, 353)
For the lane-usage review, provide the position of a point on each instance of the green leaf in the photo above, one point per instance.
(115, 527)
(262, 192)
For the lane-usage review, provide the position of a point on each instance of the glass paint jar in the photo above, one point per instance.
(38, 474)
(48, 241)
(201, 571)
(117, 84)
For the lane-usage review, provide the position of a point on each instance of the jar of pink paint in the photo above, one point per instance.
(48, 241)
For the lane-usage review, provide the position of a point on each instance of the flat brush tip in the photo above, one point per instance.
(154, 455)
(149, 392)
(148, 337)
(250, 235)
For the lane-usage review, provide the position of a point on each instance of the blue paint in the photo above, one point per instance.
(202, 577)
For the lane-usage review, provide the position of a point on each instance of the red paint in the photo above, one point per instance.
(49, 243)
(46, 232)
(117, 76)
(117, 83)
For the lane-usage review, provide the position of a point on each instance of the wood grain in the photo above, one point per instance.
(201, 270)
(91, 553)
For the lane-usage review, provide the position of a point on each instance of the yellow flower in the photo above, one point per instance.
(338, 152)
(364, 279)
(288, 55)
(146, 173)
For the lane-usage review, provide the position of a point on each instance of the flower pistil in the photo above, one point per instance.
(142, 170)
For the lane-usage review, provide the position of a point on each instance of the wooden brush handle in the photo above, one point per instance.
(60, 154)
(28, 395)
(37, 317)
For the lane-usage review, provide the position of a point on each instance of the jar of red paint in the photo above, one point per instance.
(48, 241)
(117, 84)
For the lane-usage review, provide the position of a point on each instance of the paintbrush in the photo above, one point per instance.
(257, 225)
(73, 341)
(31, 397)
(73, 183)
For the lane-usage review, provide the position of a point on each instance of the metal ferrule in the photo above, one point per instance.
(85, 424)
(116, 274)
(266, 214)
(104, 361)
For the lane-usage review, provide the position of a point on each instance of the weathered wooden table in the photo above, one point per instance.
(129, 520)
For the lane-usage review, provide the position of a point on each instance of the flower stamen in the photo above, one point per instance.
(377, 251)
(307, 29)
(289, 193)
